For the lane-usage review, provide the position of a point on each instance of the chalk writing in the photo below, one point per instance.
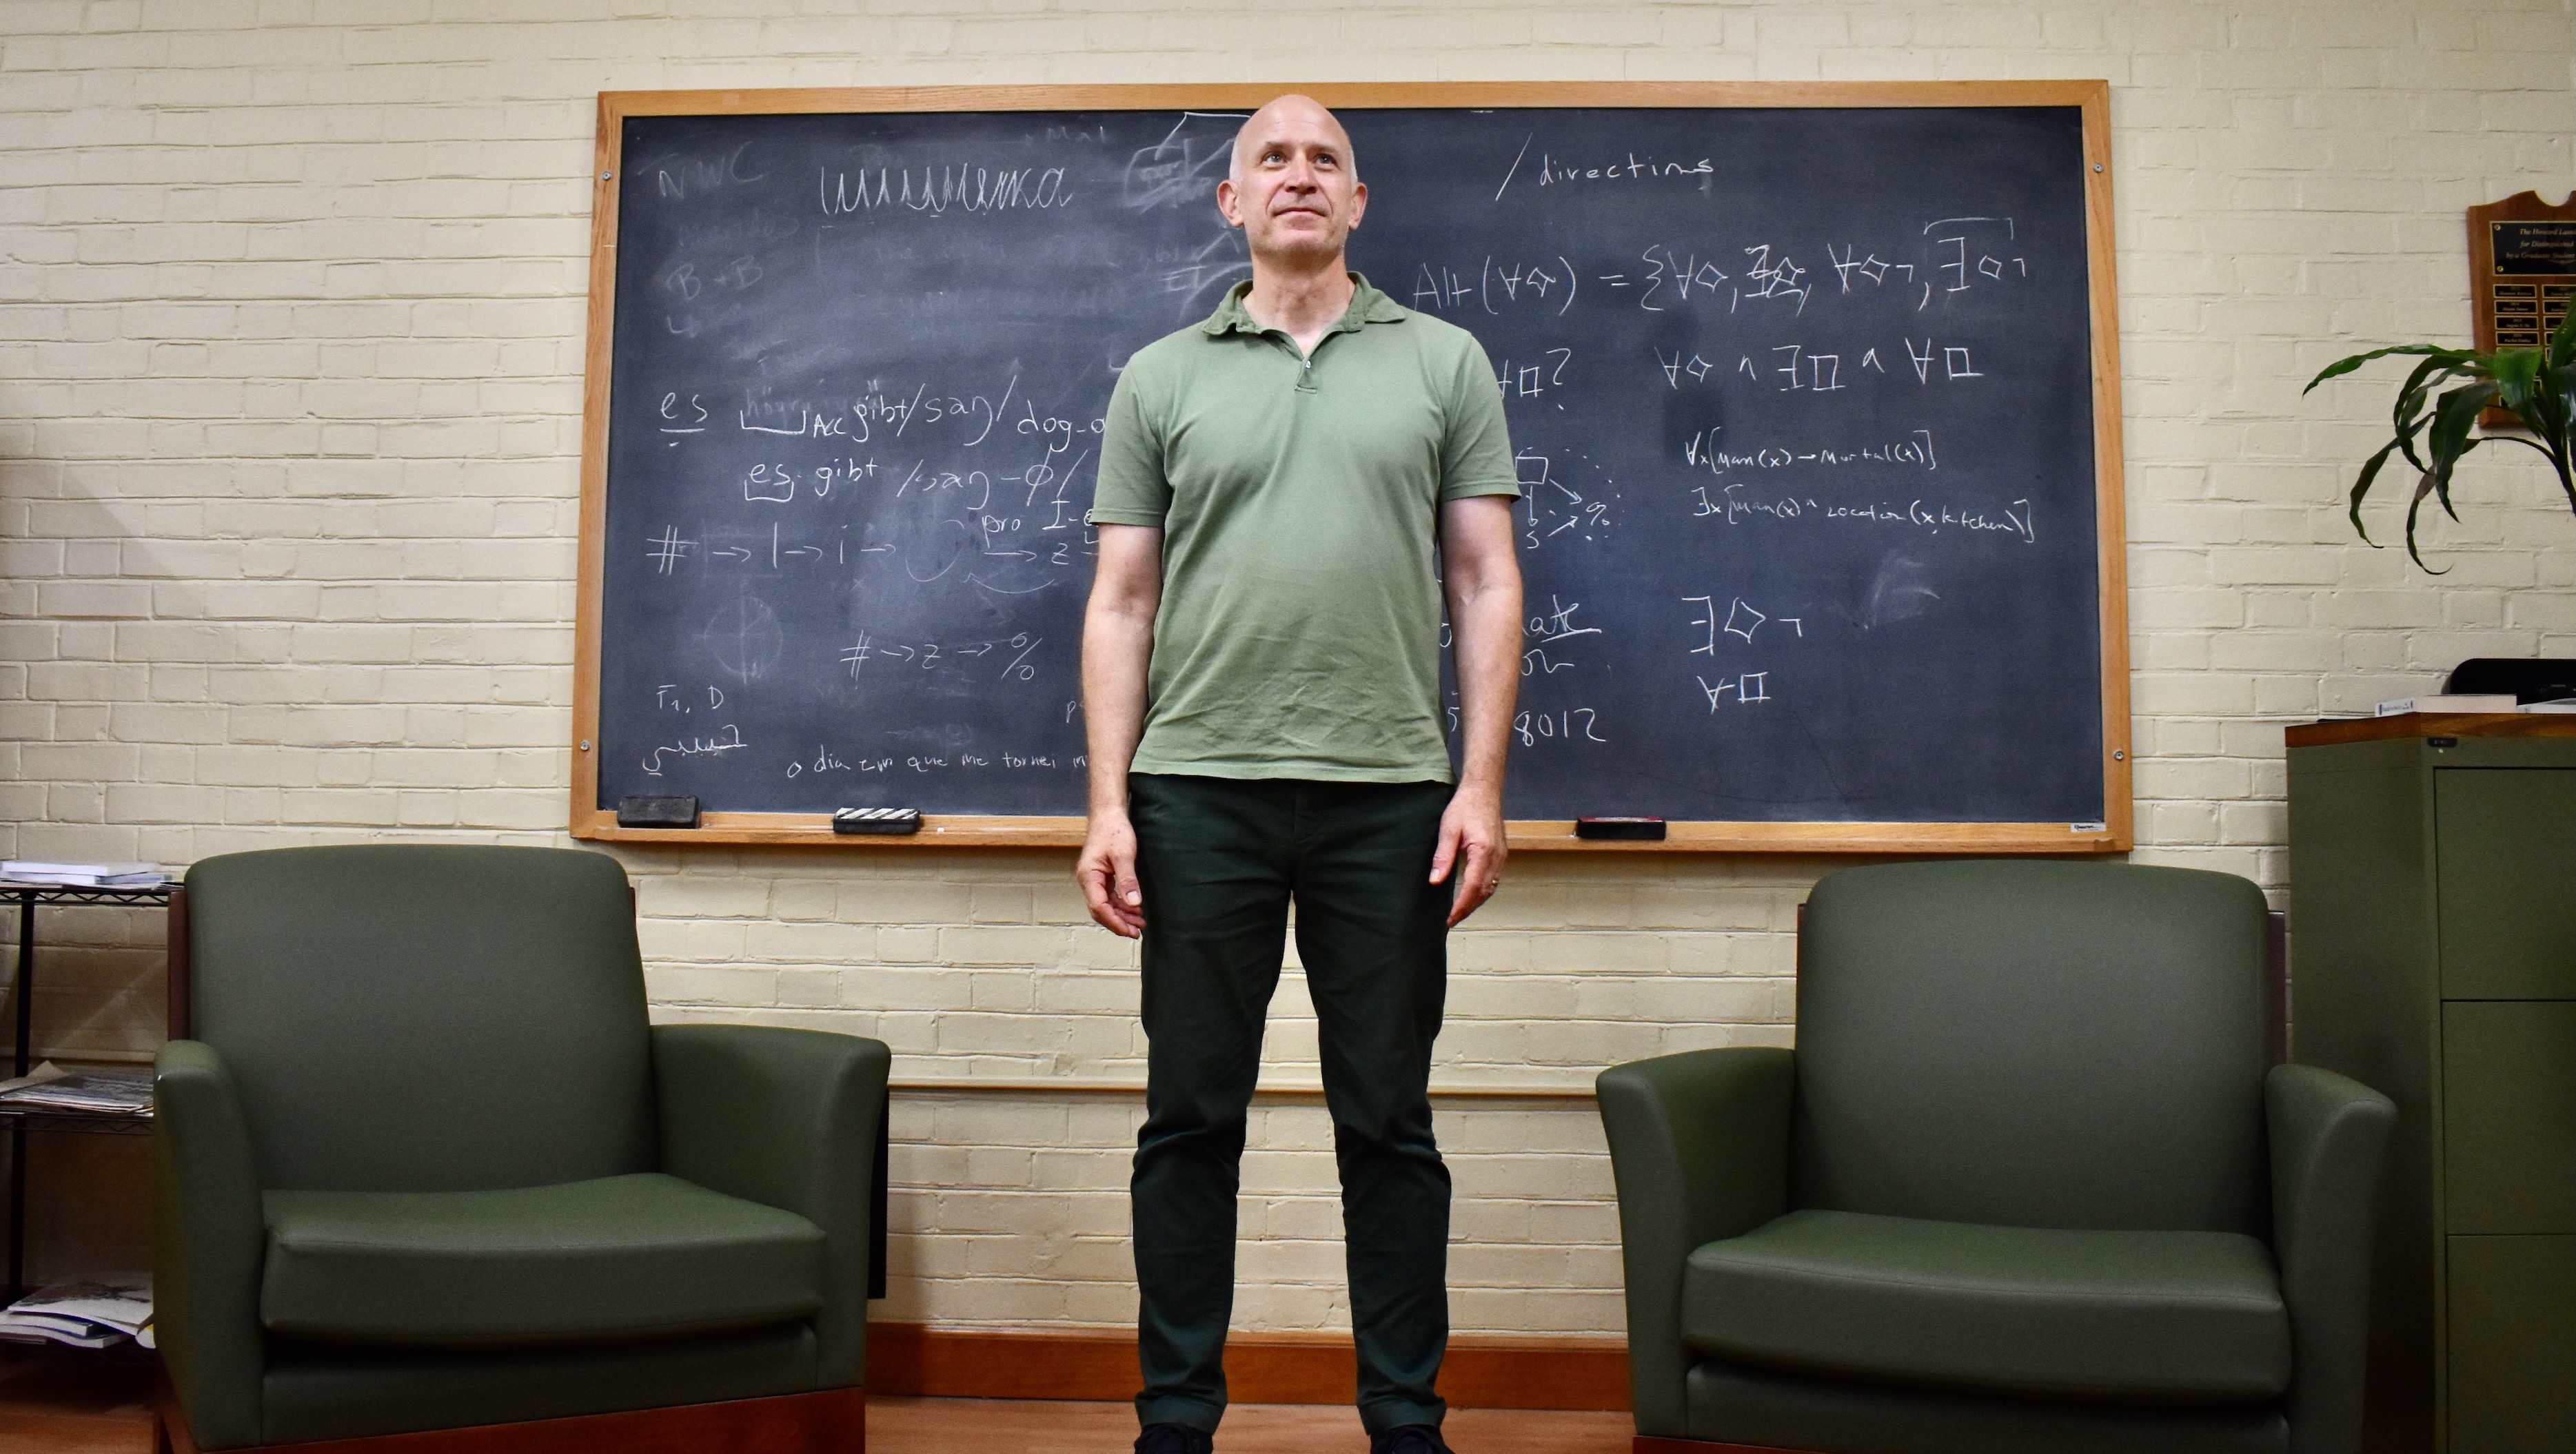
(1184, 166)
(1575, 724)
(1748, 689)
(1530, 380)
(1552, 505)
(1739, 618)
(936, 189)
(682, 177)
(727, 738)
(1716, 629)
(1706, 449)
(1735, 504)
(1630, 168)
(933, 655)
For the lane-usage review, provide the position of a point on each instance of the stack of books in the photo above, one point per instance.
(49, 1087)
(83, 875)
(82, 1314)
(2473, 702)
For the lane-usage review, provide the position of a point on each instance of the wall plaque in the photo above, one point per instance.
(2522, 272)
(2522, 269)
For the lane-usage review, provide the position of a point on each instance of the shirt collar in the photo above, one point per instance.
(1368, 305)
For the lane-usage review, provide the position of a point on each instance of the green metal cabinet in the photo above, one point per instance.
(2433, 957)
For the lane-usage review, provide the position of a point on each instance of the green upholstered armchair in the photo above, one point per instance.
(2027, 1185)
(422, 1164)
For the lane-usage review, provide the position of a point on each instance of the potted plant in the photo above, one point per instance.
(2537, 386)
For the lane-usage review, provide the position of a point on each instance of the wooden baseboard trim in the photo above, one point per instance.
(834, 1421)
(1283, 1368)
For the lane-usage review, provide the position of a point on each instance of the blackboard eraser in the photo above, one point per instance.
(644, 812)
(892, 822)
(1631, 829)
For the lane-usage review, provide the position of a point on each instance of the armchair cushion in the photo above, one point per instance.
(2139, 1316)
(1737, 1404)
(617, 1259)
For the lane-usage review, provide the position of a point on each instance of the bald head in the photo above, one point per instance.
(1292, 188)
(1287, 117)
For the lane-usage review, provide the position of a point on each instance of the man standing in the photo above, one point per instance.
(1261, 674)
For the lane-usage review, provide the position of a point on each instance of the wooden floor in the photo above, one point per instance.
(1016, 1426)
(84, 1404)
(74, 1402)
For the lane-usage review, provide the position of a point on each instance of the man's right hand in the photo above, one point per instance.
(1107, 873)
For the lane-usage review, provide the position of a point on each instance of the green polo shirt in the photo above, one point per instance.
(1299, 635)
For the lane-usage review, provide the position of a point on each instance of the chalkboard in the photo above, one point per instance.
(1813, 391)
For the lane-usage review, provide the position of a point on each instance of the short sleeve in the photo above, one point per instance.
(1476, 450)
(1133, 488)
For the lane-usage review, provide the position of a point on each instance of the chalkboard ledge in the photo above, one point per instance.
(814, 830)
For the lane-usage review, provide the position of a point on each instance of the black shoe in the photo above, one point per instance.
(1408, 1439)
(1175, 1439)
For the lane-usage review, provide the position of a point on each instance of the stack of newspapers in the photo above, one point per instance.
(83, 875)
(98, 1092)
(83, 1314)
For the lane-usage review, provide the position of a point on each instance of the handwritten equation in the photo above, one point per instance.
(1739, 504)
(1955, 260)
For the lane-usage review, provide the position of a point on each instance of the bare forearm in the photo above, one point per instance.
(1116, 649)
(1483, 583)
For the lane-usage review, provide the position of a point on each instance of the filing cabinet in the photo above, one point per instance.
(2433, 957)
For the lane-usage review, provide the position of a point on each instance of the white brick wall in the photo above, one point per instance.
(291, 318)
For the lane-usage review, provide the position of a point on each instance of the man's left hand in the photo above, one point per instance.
(1471, 845)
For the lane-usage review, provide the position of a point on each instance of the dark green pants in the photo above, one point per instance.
(1219, 860)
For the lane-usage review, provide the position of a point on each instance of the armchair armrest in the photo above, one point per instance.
(209, 1241)
(2328, 1135)
(1699, 1147)
(789, 1119)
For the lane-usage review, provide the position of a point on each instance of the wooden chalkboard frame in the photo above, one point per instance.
(2116, 833)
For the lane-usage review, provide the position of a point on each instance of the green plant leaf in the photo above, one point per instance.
(2448, 442)
(2343, 366)
(2553, 405)
(2517, 373)
(2424, 485)
(2369, 472)
(2544, 409)
(2433, 420)
(2450, 439)
(2407, 417)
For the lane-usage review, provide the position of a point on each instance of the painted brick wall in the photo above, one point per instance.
(291, 317)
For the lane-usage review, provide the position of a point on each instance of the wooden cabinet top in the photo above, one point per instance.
(2433, 724)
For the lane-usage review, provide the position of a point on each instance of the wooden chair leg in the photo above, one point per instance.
(169, 1426)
